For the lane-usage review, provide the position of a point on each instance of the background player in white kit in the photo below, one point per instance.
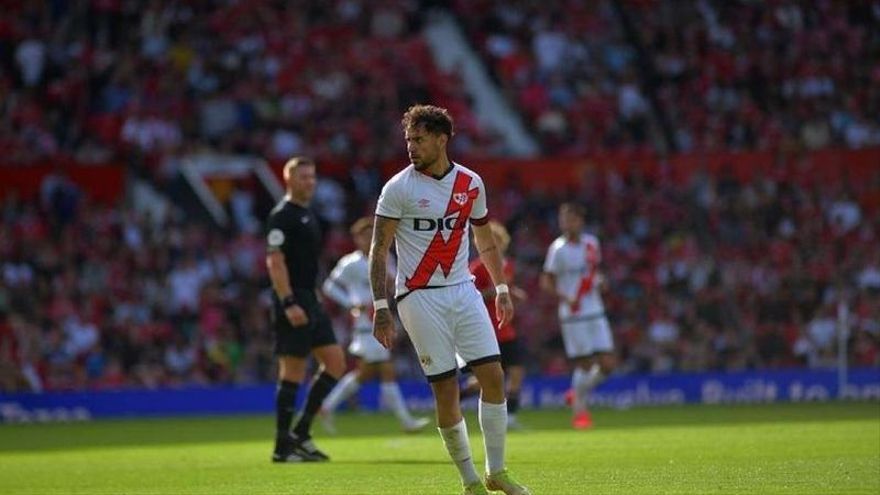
(571, 273)
(349, 286)
(427, 208)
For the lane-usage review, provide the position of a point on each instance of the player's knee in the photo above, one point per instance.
(384, 370)
(445, 393)
(333, 367)
(290, 375)
(492, 381)
(291, 369)
(332, 360)
(491, 378)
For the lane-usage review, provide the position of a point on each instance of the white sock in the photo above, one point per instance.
(581, 390)
(457, 444)
(347, 386)
(594, 377)
(493, 422)
(392, 398)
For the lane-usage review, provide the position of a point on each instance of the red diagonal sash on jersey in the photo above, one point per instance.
(442, 252)
(587, 281)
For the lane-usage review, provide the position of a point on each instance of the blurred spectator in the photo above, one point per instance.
(818, 342)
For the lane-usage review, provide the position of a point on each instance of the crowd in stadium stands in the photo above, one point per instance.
(95, 80)
(94, 296)
(746, 75)
(712, 274)
(728, 75)
(567, 66)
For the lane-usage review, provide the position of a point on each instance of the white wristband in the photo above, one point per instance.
(502, 289)
(380, 304)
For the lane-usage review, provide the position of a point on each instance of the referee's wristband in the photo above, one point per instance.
(502, 289)
(380, 304)
(288, 301)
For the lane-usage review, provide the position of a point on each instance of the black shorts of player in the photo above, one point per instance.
(299, 341)
(511, 355)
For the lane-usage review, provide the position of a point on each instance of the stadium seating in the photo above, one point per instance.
(715, 270)
(271, 78)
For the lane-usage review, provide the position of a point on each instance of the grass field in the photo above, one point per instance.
(778, 449)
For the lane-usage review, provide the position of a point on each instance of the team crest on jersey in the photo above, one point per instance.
(425, 360)
(460, 198)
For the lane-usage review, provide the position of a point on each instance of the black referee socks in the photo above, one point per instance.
(321, 387)
(285, 400)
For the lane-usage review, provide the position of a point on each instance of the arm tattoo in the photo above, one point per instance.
(378, 255)
(489, 253)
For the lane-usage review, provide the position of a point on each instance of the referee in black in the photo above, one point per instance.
(300, 323)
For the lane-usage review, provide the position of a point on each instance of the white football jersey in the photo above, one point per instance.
(349, 286)
(432, 236)
(572, 263)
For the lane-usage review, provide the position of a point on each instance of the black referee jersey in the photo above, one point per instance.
(295, 231)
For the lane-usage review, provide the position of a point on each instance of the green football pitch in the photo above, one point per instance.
(786, 448)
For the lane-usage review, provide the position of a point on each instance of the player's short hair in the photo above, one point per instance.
(436, 120)
(573, 208)
(297, 161)
(499, 231)
(360, 225)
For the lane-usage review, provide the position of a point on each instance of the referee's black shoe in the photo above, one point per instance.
(285, 451)
(305, 448)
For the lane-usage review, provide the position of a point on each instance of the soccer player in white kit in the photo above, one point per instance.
(349, 286)
(427, 209)
(571, 273)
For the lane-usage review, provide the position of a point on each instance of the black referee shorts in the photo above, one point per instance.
(299, 341)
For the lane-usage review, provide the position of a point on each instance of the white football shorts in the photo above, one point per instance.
(366, 347)
(444, 321)
(586, 335)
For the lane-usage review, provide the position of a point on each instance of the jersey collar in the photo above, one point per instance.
(442, 176)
